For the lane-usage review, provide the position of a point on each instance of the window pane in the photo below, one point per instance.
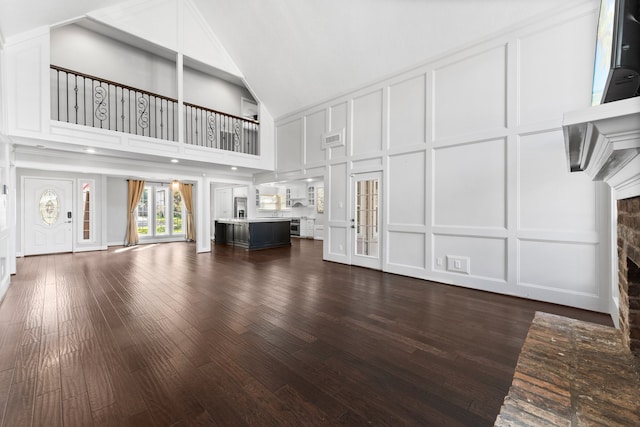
(49, 207)
(143, 213)
(177, 213)
(86, 211)
(367, 218)
(161, 211)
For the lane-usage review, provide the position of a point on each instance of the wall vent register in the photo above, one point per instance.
(333, 139)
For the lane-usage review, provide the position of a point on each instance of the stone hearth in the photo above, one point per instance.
(629, 271)
(572, 373)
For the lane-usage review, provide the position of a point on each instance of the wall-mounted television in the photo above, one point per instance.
(616, 73)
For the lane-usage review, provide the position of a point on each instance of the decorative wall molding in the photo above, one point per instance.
(491, 185)
(604, 142)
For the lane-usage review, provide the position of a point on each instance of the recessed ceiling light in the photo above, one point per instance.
(233, 168)
(41, 146)
(174, 160)
(90, 150)
(309, 179)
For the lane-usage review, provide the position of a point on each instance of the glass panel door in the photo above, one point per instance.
(161, 211)
(367, 217)
(48, 216)
(365, 220)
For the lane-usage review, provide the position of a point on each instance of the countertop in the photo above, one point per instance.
(251, 220)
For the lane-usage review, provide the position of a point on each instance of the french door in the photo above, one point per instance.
(47, 216)
(365, 220)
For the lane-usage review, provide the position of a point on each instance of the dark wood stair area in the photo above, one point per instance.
(159, 335)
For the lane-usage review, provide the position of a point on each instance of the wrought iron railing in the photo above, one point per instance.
(92, 101)
(210, 128)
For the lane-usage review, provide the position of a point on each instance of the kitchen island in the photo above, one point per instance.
(258, 233)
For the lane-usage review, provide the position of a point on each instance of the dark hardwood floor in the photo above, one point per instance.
(158, 335)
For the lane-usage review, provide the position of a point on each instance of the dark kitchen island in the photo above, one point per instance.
(259, 233)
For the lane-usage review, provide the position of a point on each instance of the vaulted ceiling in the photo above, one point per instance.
(295, 53)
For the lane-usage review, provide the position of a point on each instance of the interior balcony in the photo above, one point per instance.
(89, 88)
(85, 100)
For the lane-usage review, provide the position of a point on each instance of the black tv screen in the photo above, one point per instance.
(616, 73)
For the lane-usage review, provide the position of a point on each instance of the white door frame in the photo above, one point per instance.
(23, 202)
(360, 260)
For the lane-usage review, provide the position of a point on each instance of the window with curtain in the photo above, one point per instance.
(160, 212)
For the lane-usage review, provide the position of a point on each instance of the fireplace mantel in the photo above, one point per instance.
(604, 142)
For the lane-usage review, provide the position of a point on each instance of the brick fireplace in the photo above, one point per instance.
(629, 271)
(603, 141)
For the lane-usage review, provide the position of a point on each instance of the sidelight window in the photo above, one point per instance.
(86, 209)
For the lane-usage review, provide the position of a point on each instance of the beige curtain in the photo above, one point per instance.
(187, 197)
(135, 192)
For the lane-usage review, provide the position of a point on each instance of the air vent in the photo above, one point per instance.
(333, 139)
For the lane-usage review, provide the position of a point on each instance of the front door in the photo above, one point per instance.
(47, 216)
(365, 220)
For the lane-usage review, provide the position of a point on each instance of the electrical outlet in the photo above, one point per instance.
(439, 262)
(458, 264)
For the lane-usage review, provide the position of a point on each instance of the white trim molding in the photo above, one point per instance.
(604, 142)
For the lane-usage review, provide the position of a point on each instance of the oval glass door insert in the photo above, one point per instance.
(49, 207)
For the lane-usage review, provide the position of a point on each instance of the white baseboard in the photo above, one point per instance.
(4, 287)
(90, 249)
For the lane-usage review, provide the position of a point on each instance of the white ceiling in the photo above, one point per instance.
(295, 53)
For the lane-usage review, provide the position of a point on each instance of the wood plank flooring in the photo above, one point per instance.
(158, 335)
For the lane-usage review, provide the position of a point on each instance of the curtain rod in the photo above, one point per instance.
(160, 182)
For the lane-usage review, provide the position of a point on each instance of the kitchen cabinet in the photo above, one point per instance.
(223, 203)
(268, 190)
(307, 227)
(311, 195)
(298, 192)
(241, 191)
(318, 232)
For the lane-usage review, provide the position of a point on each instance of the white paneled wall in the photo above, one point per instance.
(470, 95)
(315, 126)
(469, 185)
(288, 147)
(541, 199)
(555, 66)
(406, 190)
(27, 84)
(367, 123)
(473, 164)
(407, 112)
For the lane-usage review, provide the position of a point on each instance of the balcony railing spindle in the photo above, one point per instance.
(203, 126)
